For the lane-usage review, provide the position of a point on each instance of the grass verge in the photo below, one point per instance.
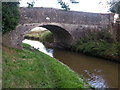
(47, 37)
(99, 48)
(34, 69)
(100, 44)
(43, 36)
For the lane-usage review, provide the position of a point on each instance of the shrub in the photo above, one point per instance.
(47, 36)
(118, 48)
(10, 16)
(64, 5)
(105, 35)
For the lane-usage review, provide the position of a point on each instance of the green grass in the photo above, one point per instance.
(98, 48)
(99, 44)
(35, 34)
(27, 69)
(47, 37)
(43, 36)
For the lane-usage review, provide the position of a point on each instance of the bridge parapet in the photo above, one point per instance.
(40, 15)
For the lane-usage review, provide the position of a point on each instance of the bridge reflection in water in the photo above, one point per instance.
(99, 72)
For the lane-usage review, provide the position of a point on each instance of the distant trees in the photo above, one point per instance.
(115, 6)
(74, 1)
(31, 4)
(10, 16)
(64, 5)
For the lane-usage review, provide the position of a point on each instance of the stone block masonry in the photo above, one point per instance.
(67, 26)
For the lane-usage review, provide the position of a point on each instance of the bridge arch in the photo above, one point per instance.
(62, 38)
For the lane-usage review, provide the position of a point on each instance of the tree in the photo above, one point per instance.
(31, 4)
(115, 6)
(74, 1)
(64, 5)
(10, 16)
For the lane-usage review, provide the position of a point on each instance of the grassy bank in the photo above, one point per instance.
(98, 44)
(102, 49)
(34, 69)
(35, 34)
(43, 36)
(47, 37)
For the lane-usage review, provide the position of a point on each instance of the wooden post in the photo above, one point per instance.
(117, 30)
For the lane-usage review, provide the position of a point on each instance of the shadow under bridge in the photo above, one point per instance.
(62, 38)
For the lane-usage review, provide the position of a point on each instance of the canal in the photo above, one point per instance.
(100, 73)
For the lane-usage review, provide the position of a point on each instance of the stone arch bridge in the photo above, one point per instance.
(67, 26)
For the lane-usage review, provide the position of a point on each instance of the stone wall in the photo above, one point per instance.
(40, 15)
(67, 26)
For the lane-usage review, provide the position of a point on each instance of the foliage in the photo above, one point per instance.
(98, 44)
(115, 6)
(99, 48)
(44, 36)
(118, 48)
(103, 35)
(74, 1)
(31, 4)
(64, 5)
(10, 16)
(27, 69)
(47, 37)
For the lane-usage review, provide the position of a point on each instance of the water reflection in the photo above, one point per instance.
(96, 80)
(38, 45)
(100, 73)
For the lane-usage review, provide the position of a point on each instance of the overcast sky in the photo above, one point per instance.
(83, 5)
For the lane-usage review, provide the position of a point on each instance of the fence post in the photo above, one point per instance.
(117, 31)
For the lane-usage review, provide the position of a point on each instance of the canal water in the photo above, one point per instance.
(100, 73)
